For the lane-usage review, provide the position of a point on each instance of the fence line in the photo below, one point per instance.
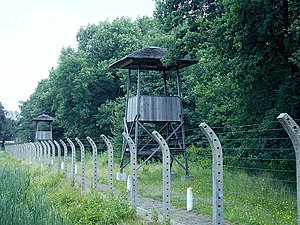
(264, 154)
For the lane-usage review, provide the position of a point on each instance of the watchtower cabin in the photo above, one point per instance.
(43, 127)
(153, 101)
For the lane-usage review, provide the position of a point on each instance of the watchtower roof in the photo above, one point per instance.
(150, 59)
(43, 117)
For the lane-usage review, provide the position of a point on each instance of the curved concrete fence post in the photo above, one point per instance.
(45, 152)
(29, 150)
(23, 152)
(40, 152)
(20, 154)
(217, 153)
(73, 158)
(19, 151)
(49, 153)
(53, 153)
(31, 154)
(65, 162)
(133, 169)
(58, 155)
(95, 161)
(34, 152)
(110, 161)
(15, 151)
(82, 159)
(293, 130)
(166, 173)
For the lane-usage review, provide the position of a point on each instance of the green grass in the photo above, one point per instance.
(247, 199)
(19, 204)
(31, 194)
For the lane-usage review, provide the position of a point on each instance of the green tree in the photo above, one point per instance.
(2, 121)
(7, 126)
(109, 40)
(82, 82)
(253, 44)
(40, 102)
(260, 42)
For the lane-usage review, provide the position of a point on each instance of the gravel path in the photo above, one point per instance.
(147, 208)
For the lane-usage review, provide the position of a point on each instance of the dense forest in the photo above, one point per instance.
(248, 70)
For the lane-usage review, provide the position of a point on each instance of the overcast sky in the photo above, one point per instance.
(32, 33)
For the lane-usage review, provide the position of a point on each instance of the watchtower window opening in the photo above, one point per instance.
(44, 126)
(153, 83)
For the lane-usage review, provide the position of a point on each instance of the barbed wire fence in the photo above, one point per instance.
(259, 169)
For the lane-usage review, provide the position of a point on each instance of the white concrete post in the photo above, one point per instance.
(189, 199)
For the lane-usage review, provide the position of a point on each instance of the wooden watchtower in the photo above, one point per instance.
(43, 127)
(162, 111)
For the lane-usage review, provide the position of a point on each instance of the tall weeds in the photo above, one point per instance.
(21, 205)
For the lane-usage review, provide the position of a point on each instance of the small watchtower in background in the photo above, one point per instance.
(43, 127)
(159, 109)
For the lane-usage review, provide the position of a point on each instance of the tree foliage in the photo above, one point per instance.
(82, 91)
(253, 46)
(8, 126)
(248, 68)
